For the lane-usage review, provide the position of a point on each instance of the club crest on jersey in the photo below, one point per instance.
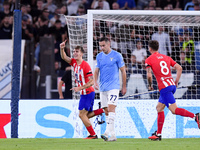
(111, 58)
(76, 78)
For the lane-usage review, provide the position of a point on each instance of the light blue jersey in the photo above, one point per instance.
(109, 65)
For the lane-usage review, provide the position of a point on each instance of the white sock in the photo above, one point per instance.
(194, 117)
(159, 134)
(111, 125)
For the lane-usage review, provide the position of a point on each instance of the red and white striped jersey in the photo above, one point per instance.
(160, 65)
(82, 72)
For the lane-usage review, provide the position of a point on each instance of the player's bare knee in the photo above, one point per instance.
(81, 114)
(173, 112)
(172, 108)
(111, 108)
(106, 112)
(90, 115)
(159, 109)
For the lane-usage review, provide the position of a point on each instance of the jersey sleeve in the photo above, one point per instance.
(97, 64)
(87, 70)
(147, 63)
(120, 61)
(72, 62)
(172, 62)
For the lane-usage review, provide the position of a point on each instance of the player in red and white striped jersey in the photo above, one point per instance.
(84, 82)
(160, 65)
(161, 69)
(83, 73)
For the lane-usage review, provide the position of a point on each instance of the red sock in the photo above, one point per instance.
(91, 130)
(183, 112)
(160, 121)
(98, 111)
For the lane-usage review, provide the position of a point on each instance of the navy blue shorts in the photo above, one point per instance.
(167, 95)
(86, 102)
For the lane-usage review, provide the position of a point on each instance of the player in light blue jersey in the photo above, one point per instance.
(109, 62)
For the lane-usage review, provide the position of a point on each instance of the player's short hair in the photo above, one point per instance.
(104, 39)
(80, 48)
(154, 45)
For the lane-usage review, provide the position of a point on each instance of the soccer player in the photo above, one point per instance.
(84, 81)
(160, 65)
(109, 62)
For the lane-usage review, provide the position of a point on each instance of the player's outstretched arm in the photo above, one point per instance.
(178, 73)
(63, 54)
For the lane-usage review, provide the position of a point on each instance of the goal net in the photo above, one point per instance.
(129, 32)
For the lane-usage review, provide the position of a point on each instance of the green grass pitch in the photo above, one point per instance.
(99, 144)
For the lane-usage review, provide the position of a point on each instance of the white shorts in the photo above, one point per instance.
(109, 97)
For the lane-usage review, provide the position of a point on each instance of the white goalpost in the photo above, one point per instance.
(129, 32)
